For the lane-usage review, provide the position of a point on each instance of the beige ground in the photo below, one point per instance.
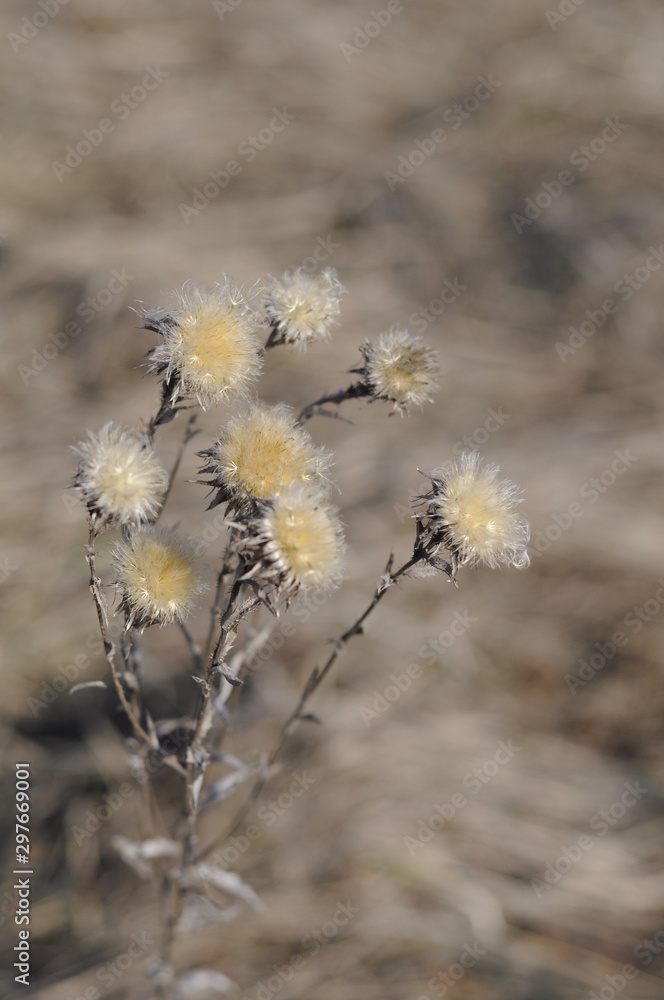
(323, 178)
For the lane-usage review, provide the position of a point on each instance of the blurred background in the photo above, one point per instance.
(490, 177)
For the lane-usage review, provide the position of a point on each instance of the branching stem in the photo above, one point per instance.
(317, 408)
(318, 675)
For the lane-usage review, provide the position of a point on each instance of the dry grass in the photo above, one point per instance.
(504, 677)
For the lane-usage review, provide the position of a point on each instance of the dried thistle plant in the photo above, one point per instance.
(284, 537)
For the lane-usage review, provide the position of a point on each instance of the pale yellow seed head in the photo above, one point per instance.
(478, 513)
(301, 542)
(210, 344)
(120, 478)
(159, 576)
(302, 307)
(263, 450)
(400, 368)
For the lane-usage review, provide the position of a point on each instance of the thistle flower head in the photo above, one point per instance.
(159, 576)
(120, 478)
(400, 368)
(259, 452)
(296, 543)
(209, 343)
(474, 514)
(302, 307)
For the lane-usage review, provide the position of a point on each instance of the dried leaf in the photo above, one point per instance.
(196, 786)
(203, 984)
(200, 911)
(159, 847)
(234, 681)
(228, 882)
(88, 684)
(135, 855)
(221, 788)
(151, 728)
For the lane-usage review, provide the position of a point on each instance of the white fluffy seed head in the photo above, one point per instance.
(302, 307)
(159, 576)
(475, 514)
(400, 368)
(210, 342)
(259, 452)
(296, 544)
(120, 478)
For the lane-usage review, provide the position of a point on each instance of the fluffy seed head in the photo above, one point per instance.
(297, 543)
(209, 345)
(260, 452)
(120, 478)
(400, 368)
(475, 514)
(159, 576)
(302, 307)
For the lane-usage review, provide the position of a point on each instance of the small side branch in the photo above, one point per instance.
(318, 407)
(109, 649)
(189, 433)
